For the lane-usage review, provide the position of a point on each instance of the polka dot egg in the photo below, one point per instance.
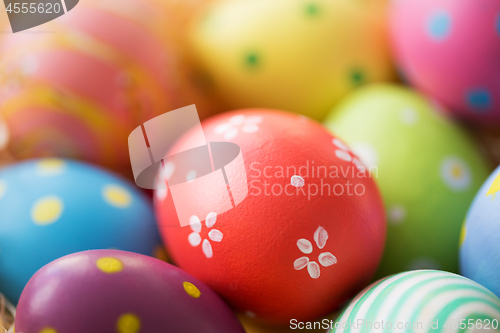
(119, 292)
(480, 245)
(307, 235)
(450, 49)
(427, 169)
(421, 301)
(53, 207)
(295, 55)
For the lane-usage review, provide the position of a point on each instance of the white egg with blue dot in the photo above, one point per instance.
(53, 207)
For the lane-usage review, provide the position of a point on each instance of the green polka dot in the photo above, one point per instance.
(357, 77)
(312, 9)
(252, 60)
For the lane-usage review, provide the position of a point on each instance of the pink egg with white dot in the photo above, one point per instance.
(104, 291)
(450, 50)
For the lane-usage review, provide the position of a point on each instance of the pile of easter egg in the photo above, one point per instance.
(368, 133)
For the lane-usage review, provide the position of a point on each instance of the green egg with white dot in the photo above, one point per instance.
(54, 207)
(427, 168)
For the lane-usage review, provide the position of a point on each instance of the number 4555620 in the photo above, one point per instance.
(25, 8)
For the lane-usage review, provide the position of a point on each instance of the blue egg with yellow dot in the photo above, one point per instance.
(53, 207)
(480, 239)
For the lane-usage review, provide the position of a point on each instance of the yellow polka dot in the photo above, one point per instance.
(47, 210)
(109, 265)
(3, 188)
(463, 234)
(192, 290)
(117, 196)
(51, 166)
(48, 330)
(128, 323)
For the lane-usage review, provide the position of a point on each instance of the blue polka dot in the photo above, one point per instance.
(498, 24)
(479, 99)
(439, 25)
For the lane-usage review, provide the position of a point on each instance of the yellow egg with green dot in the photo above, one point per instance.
(296, 55)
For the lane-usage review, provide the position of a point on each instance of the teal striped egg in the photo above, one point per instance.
(421, 301)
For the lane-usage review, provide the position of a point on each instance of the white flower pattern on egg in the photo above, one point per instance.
(238, 123)
(344, 153)
(326, 259)
(214, 235)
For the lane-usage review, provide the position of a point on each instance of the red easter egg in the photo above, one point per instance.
(308, 235)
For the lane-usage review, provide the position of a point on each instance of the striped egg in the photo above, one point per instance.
(85, 81)
(53, 207)
(421, 301)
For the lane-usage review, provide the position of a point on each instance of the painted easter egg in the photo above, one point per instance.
(305, 235)
(78, 92)
(120, 292)
(422, 301)
(450, 49)
(480, 238)
(427, 168)
(294, 55)
(51, 208)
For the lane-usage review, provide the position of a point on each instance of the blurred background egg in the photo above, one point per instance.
(427, 168)
(480, 238)
(288, 250)
(120, 292)
(52, 207)
(79, 86)
(295, 55)
(417, 299)
(450, 50)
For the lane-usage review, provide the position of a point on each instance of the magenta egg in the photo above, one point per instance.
(450, 49)
(104, 291)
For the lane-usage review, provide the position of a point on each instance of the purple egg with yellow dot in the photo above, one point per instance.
(105, 291)
(53, 207)
(451, 49)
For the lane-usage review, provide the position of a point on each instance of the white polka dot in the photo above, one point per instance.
(237, 120)
(455, 173)
(409, 116)
(3, 188)
(423, 263)
(297, 181)
(168, 170)
(366, 152)
(343, 155)
(191, 175)
(4, 134)
(161, 194)
(340, 144)
(250, 314)
(397, 214)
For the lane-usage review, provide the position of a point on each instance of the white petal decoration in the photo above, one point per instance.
(320, 237)
(250, 128)
(211, 219)
(161, 194)
(343, 155)
(313, 269)
(231, 134)
(359, 165)
(340, 144)
(254, 120)
(207, 248)
(223, 128)
(215, 235)
(191, 175)
(168, 170)
(297, 181)
(194, 239)
(237, 120)
(300, 263)
(327, 259)
(195, 223)
(304, 245)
